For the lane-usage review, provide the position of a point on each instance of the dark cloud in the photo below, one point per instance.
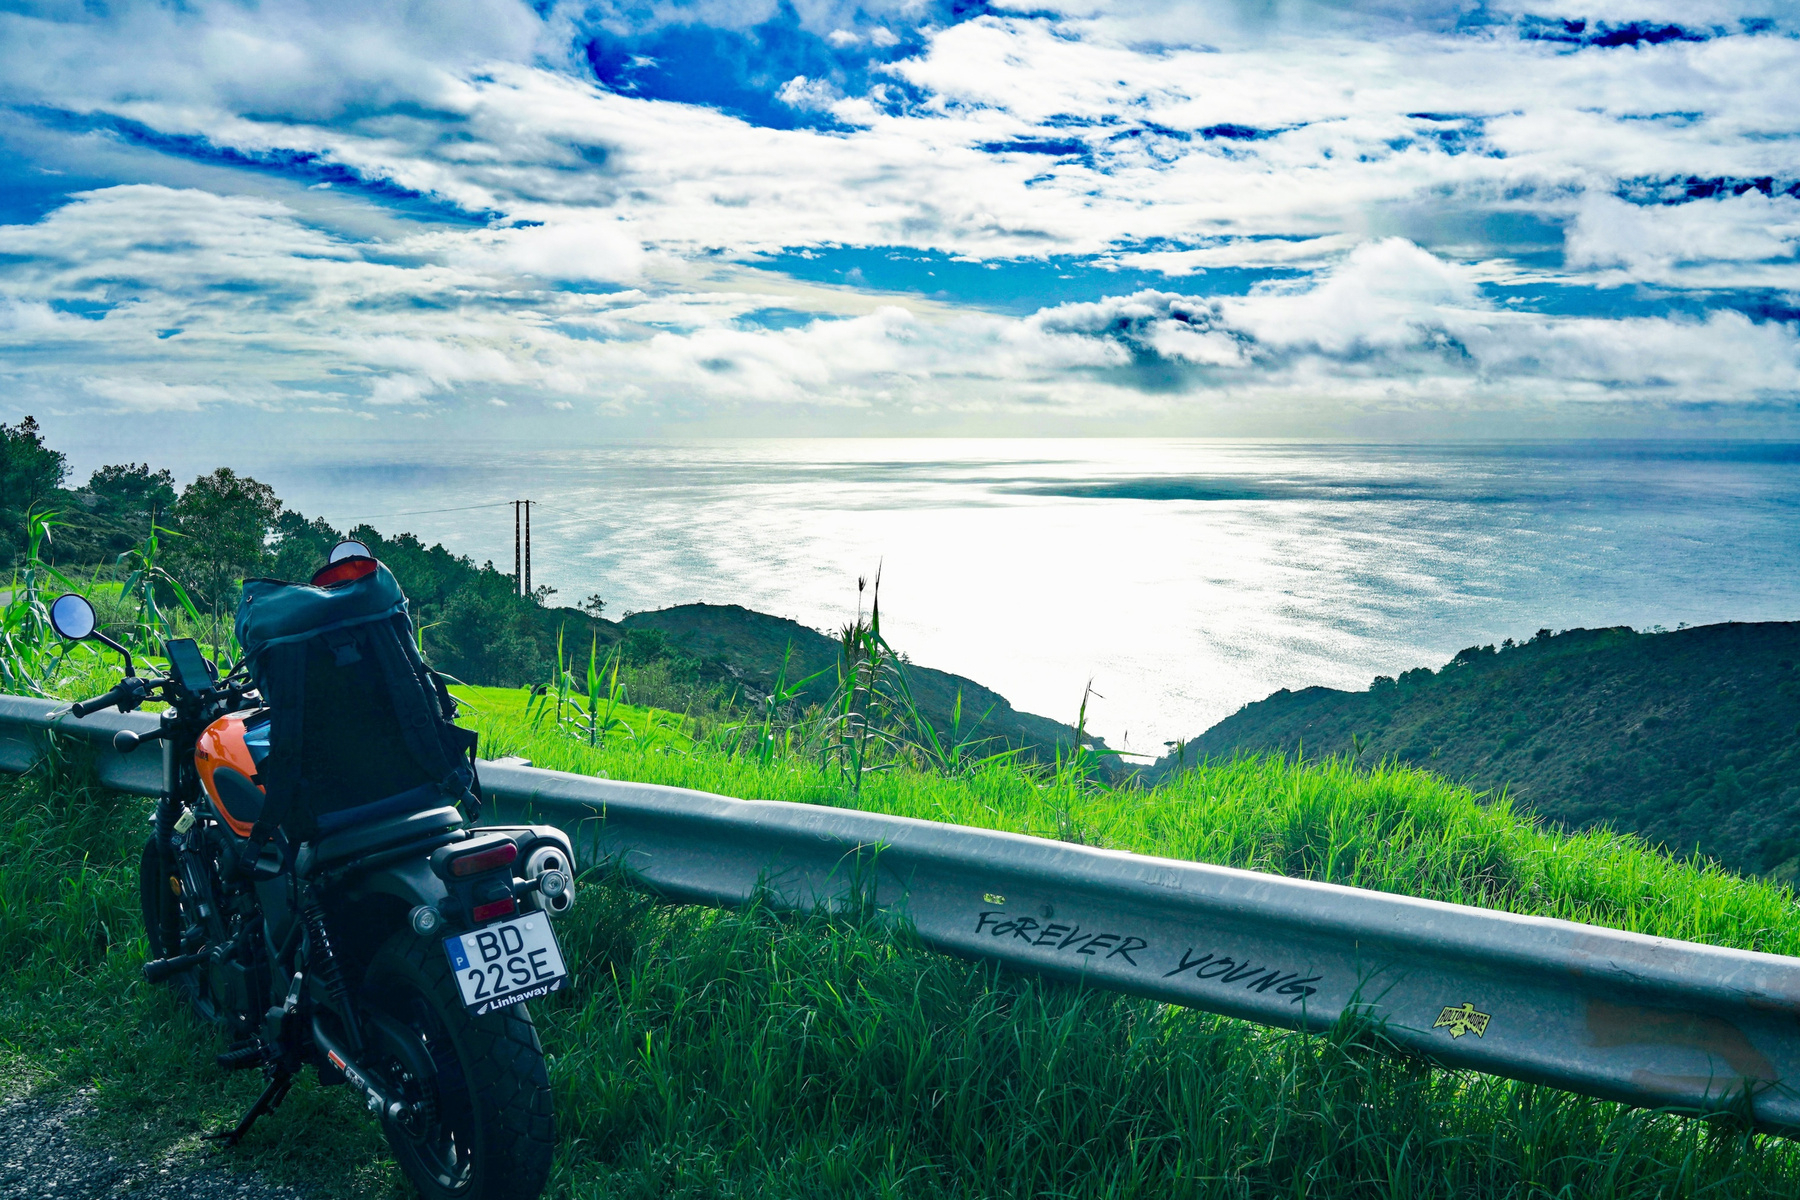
(1608, 35)
(1682, 189)
(307, 166)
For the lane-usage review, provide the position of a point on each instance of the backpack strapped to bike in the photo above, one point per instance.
(360, 728)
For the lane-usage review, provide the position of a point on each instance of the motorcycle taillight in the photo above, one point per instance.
(498, 908)
(477, 875)
(483, 860)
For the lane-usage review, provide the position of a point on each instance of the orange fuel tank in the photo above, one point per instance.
(228, 756)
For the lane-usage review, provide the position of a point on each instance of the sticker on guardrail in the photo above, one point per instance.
(1461, 1020)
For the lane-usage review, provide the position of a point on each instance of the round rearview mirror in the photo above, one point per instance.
(72, 616)
(349, 548)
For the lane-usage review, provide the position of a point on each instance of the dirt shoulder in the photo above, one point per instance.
(44, 1152)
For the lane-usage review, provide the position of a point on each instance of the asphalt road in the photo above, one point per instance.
(43, 1158)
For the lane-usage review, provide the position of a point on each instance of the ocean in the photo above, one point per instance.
(1180, 578)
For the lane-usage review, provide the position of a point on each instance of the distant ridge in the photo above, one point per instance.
(1690, 739)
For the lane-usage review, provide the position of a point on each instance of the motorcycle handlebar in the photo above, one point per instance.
(111, 698)
(128, 694)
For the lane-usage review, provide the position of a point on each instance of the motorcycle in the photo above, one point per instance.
(395, 956)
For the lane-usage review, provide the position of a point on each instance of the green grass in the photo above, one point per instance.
(75, 1012)
(639, 724)
(706, 1053)
(1389, 828)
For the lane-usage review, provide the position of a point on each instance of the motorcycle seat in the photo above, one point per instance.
(375, 836)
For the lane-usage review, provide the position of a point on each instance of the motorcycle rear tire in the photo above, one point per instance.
(490, 1085)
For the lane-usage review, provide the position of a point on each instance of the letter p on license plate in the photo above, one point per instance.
(501, 965)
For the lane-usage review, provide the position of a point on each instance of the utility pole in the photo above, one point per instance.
(522, 546)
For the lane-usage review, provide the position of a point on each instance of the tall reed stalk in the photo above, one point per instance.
(593, 702)
(150, 625)
(30, 652)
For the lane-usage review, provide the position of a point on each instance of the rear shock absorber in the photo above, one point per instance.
(325, 967)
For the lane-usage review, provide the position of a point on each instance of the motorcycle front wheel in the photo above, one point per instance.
(159, 893)
(482, 1126)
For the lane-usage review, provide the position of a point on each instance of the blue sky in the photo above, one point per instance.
(1263, 218)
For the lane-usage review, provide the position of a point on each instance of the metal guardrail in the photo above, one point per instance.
(25, 725)
(1648, 1021)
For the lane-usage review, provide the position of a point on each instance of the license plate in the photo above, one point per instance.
(501, 965)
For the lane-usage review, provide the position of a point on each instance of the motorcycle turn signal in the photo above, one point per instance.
(425, 920)
(126, 740)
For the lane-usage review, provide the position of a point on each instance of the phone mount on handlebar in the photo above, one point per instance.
(73, 617)
(189, 666)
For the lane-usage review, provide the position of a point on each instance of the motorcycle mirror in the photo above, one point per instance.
(72, 617)
(348, 548)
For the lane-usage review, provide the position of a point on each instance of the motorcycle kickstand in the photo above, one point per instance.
(279, 1083)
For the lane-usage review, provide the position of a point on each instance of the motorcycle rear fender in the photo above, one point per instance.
(372, 905)
(399, 887)
(405, 885)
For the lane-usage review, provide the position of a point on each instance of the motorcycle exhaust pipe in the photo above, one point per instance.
(550, 875)
(380, 1103)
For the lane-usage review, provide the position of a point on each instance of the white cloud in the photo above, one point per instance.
(303, 59)
(1650, 243)
(1397, 165)
(399, 389)
(451, 324)
(803, 93)
(32, 319)
(139, 396)
(575, 246)
(1382, 295)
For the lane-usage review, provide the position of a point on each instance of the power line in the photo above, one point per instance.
(521, 532)
(419, 512)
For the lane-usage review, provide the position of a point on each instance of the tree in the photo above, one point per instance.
(225, 521)
(301, 546)
(130, 492)
(29, 472)
(112, 513)
(477, 636)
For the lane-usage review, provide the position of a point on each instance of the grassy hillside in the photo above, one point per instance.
(518, 707)
(1387, 827)
(705, 1053)
(746, 647)
(1690, 739)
